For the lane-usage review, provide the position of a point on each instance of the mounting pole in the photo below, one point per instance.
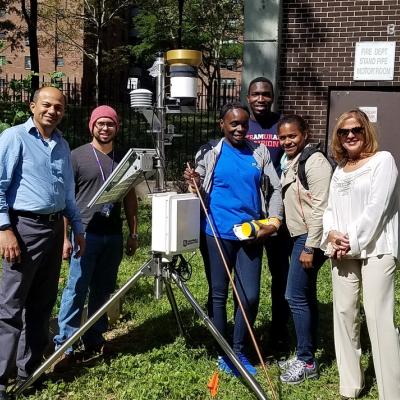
(160, 95)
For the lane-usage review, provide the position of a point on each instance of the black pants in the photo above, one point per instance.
(278, 250)
(28, 291)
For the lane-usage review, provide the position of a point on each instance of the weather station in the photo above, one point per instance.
(175, 217)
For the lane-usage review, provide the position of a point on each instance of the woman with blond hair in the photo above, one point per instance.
(361, 236)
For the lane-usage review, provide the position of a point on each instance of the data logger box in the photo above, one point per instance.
(175, 223)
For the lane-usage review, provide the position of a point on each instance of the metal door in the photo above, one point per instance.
(382, 103)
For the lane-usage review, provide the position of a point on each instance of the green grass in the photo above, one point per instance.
(152, 362)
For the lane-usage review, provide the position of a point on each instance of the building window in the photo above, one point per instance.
(3, 35)
(2, 11)
(3, 60)
(28, 62)
(60, 61)
(27, 41)
(228, 81)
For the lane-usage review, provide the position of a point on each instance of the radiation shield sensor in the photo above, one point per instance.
(175, 223)
(136, 166)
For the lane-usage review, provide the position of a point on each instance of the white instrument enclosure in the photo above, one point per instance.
(175, 223)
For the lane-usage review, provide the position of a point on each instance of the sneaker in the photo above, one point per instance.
(38, 384)
(65, 362)
(225, 365)
(246, 363)
(285, 364)
(298, 371)
(101, 350)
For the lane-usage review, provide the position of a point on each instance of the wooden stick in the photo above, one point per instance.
(249, 327)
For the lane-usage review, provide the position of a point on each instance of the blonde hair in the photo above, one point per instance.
(370, 138)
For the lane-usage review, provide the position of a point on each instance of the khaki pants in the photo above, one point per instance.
(376, 276)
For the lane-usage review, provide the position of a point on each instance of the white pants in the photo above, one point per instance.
(376, 274)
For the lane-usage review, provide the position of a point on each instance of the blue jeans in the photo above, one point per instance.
(245, 260)
(96, 273)
(301, 294)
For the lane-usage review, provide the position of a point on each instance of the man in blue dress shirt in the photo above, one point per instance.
(36, 191)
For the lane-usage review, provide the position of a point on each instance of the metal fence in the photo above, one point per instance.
(194, 129)
(15, 88)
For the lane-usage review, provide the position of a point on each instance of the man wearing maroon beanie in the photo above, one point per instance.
(96, 272)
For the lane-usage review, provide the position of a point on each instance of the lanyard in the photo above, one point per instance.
(100, 167)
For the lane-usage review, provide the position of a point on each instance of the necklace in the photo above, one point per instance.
(353, 161)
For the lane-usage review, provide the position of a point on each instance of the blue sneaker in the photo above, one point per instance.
(246, 363)
(225, 365)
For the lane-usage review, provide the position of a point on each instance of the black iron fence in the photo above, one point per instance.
(193, 129)
(15, 88)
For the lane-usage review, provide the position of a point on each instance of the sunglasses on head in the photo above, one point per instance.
(357, 130)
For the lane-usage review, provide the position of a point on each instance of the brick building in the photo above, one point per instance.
(54, 53)
(308, 48)
(318, 49)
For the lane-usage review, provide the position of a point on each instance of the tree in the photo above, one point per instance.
(29, 10)
(212, 26)
(87, 19)
(15, 34)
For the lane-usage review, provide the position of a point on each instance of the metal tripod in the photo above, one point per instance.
(164, 273)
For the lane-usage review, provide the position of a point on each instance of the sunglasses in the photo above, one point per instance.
(357, 130)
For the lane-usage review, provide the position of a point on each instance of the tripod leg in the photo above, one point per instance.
(254, 385)
(172, 302)
(54, 357)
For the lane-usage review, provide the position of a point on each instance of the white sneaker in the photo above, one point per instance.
(285, 364)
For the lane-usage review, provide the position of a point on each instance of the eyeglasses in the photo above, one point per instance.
(357, 130)
(101, 125)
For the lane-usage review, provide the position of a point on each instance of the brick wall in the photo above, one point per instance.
(317, 51)
(71, 57)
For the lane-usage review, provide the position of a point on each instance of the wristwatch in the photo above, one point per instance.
(5, 227)
(308, 250)
(133, 235)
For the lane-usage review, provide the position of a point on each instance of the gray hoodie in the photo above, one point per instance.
(206, 160)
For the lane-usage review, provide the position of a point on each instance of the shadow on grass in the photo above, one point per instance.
(325, 344)
(156, 332)
(153, 333)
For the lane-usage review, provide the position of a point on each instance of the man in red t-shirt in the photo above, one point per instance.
(262, 129)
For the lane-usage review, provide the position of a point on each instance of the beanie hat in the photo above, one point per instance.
(103, 112)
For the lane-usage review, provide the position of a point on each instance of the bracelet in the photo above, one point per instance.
(275, 222)
(133, 235)
(308, 250)
(5, 227)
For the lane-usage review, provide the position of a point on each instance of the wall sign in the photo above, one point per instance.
(372, 113)
(374, 61)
